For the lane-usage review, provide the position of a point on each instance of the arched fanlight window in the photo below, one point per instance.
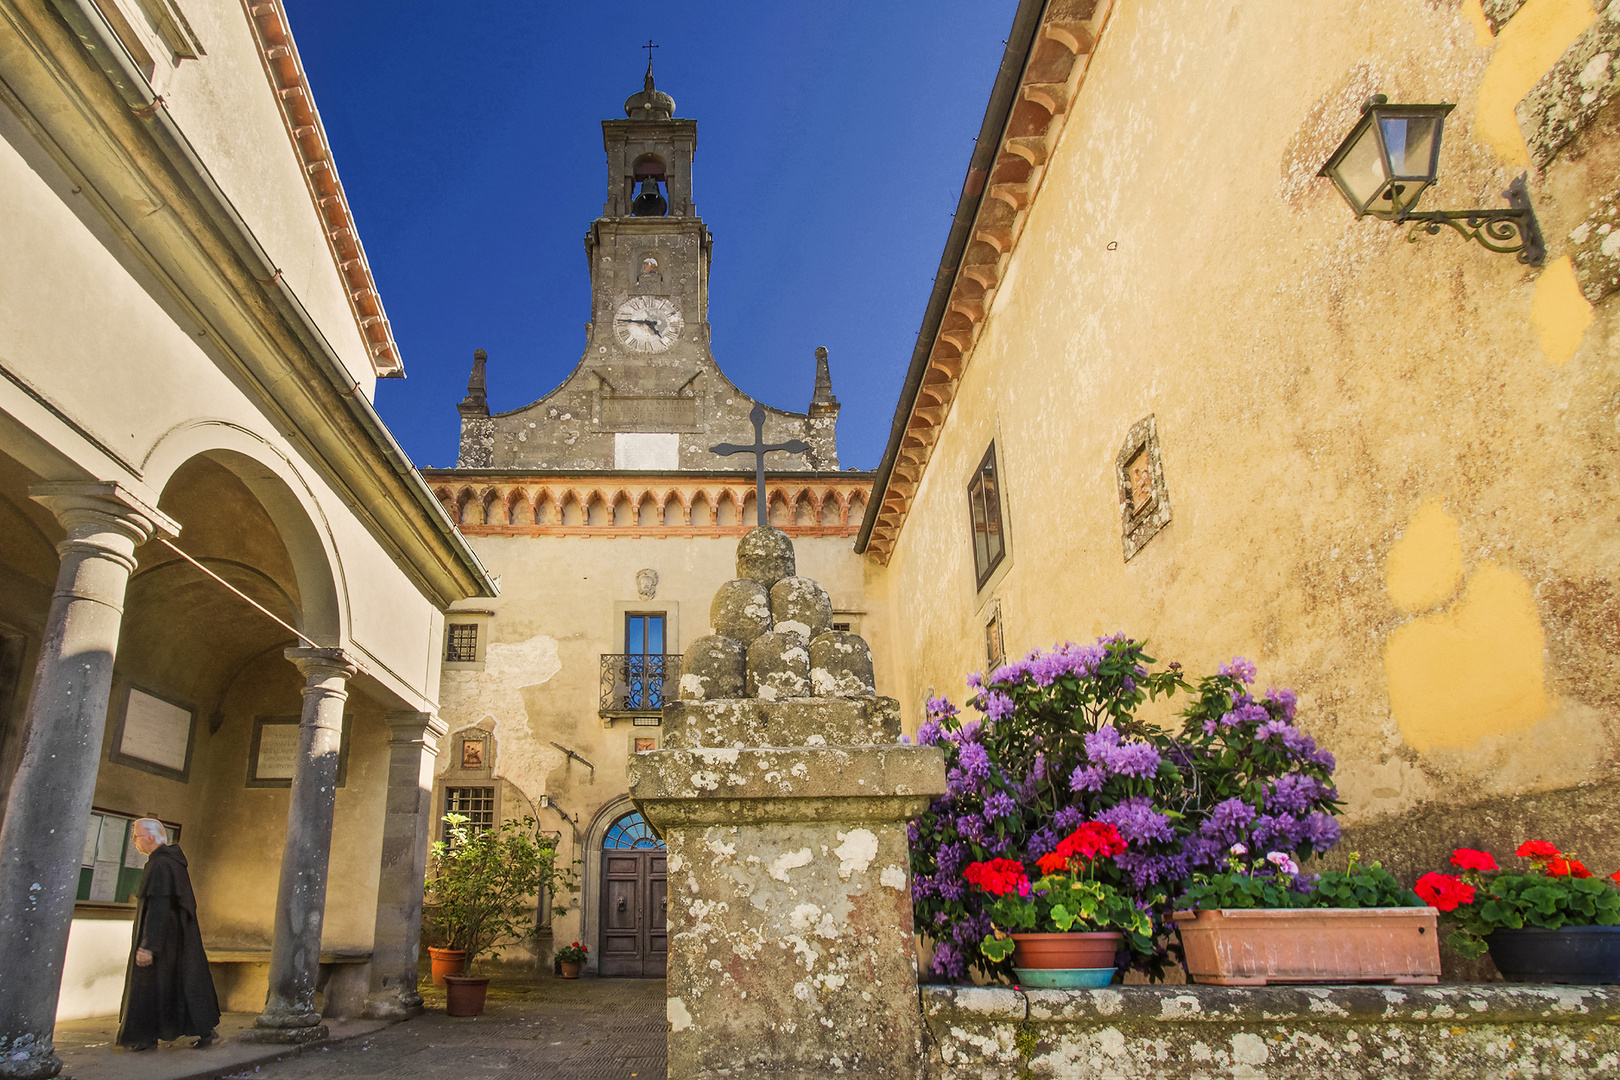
(630, 831)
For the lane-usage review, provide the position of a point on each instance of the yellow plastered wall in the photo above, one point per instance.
(1392, 466)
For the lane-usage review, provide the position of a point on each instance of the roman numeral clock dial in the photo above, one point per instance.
(648, 324)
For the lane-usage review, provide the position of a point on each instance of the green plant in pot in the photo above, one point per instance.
(570, 958)
(1554, 922)
(480, 891)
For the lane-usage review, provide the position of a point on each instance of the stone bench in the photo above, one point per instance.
(242, 979)
(1346, 1032)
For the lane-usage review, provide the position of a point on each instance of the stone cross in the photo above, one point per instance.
(759, 450)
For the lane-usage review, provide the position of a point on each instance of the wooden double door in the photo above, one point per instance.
(635, 897)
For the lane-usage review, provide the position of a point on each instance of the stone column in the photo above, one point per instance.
(42, 839)
(412, 748)
(295, 955)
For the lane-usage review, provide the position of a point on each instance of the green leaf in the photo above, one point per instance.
(997, 949)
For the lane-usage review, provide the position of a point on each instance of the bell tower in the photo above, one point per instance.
(649, 251)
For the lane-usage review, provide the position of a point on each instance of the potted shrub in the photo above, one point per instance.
(1554, 922)
(570, 959)
(1260, 921)
(1067, 927)
(479, 895)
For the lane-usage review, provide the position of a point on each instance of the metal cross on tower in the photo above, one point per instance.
(649, 47)
(759, 450)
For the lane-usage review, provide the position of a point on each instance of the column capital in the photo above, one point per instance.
(410, 728)
(92, 501)
(320, 664)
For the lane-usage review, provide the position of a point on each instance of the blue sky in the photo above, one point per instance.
(832, 142)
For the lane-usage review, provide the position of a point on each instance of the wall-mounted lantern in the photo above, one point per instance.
(1392, 155)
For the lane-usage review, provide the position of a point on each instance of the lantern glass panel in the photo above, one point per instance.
(1410, 141)
(1361, 173)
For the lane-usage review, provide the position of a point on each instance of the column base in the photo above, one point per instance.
(29, 1059)
(394, 1007)
(286, 1036)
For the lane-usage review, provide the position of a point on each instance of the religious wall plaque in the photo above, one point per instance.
(472, 753)
(273, 755)
(154, 735)
(1144, 500)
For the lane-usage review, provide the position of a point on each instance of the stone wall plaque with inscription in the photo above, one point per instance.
(154, 735)
(273, 755)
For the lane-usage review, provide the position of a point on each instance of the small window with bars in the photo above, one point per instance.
(476, 804)
(984, 507)
(461, 646)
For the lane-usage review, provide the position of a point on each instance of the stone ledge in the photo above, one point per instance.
(789, 773)
(1347, 1032)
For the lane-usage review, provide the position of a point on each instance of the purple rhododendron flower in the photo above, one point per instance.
(952, 857)
(970, 827)
(938, 708)
(1239, 669)
(1322, 830)
(1277, 830)
(1087, 778)
(997, 705)
(1245, 714)
(948, 961)
(913, 833)
(1285, 698)
(1138, 822)
(975, 680)
(974, 761)
(1043, 841)
(1293, 793)
(1279, 728)
(1037, 770)
(1131, 759)
(1229, 818)
(998, 804)
(1100, 740)
(929, 733)
(1068, 819)
(959, 783)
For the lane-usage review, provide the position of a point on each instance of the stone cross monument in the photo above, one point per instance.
(783, 792)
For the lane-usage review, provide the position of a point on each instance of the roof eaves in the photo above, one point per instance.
(285, 71)
(1048, 51)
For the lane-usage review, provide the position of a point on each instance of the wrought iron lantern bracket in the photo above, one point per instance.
(1506, 232)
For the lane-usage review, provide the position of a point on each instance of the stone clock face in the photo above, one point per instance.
(648, 324)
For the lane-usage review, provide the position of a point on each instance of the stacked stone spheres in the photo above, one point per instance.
(782, 792)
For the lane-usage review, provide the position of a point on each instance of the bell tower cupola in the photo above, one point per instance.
(649, 157)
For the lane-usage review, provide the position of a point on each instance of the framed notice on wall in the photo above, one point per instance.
(154, 734)
(273, 755)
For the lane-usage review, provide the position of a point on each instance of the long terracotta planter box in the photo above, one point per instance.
(1311, 945)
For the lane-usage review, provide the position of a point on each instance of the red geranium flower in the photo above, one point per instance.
(1615, 877)
(1094, 839)
(1563, 867)
(1444, 891)
(1469, 859)
(1537, 849)
(998, 876)
(1052, 862)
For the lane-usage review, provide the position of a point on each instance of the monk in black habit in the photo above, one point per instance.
(169, 991)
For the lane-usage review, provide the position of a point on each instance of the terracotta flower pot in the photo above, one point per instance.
(570, 968)
(464, 996)
(1088, 950)
(1582, 955)
(447, 962)
(1233, 947)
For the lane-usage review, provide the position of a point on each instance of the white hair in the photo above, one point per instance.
(153, 828)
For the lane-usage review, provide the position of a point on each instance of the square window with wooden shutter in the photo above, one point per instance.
(984, 509)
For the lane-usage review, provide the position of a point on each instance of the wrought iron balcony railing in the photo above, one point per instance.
(633, 683)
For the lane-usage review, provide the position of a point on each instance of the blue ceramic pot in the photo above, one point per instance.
(1064, 978)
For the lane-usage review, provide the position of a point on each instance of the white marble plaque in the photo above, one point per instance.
(155, 731)
(278, 751)
(646, 450)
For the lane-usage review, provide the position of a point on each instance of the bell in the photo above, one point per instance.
(649, 202)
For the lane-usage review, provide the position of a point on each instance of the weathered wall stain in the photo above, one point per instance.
(1558, 312)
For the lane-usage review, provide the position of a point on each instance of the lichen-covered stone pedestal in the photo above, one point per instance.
(782, 792)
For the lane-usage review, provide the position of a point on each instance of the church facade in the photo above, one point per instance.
(609, 520)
